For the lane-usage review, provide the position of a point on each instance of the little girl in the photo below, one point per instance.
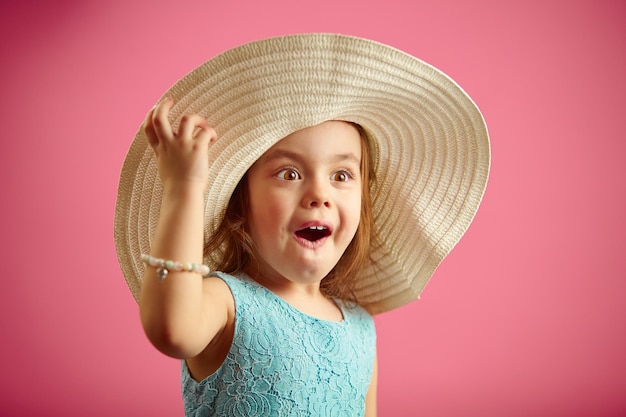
(279, 195)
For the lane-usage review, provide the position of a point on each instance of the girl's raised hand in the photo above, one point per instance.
(182, 156)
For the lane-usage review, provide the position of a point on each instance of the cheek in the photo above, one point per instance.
(352, 215)
(266, 206)
(357, 217)
(265, 212)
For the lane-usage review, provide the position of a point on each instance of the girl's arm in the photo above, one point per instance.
(183, 313)
(370, 398)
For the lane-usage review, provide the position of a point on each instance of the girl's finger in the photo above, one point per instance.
(148, 129)
(160, 121)
(189, 124)
(205, 136)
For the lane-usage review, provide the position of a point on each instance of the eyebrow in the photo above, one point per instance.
(283, 153)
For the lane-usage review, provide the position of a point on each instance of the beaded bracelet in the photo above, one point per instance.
(164, 267)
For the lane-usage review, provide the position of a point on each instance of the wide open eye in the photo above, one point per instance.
(342, 176)
(288, 174)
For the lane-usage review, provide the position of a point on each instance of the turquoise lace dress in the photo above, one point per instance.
(283, 362)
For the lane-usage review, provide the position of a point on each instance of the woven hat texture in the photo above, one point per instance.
(429, 140)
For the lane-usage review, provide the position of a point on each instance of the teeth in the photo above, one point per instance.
(316, 227)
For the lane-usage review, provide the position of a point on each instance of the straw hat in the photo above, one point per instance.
(430, 147)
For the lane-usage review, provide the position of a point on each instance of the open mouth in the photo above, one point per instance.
(313, 233)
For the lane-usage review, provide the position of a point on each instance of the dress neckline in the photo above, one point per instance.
(288, 305)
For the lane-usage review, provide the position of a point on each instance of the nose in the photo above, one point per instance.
(316, 193)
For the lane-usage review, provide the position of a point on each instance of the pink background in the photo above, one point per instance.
(526, 317)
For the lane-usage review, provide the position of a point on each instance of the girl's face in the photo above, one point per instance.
(305, 202)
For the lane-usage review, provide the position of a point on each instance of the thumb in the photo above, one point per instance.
(205, 136)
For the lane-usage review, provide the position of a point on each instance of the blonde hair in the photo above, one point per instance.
(231, 249)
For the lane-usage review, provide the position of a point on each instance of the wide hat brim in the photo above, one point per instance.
(429, 142)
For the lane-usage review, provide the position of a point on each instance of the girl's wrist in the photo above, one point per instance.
(184, 189)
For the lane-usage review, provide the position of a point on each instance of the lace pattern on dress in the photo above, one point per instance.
(283, 362)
